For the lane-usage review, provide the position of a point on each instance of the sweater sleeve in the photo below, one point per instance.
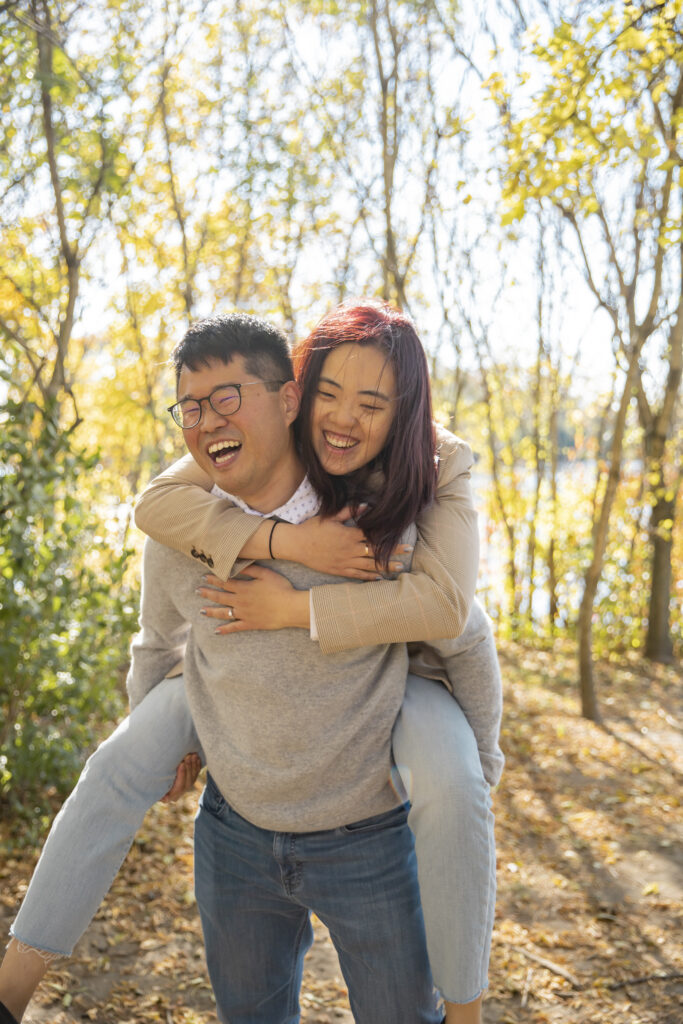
(178, 510)
(431, 601)
(468, 666)
(160, 643)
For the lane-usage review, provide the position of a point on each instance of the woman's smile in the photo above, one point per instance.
(340, 442)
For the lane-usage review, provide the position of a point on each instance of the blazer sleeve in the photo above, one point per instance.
(178, 510)
(433, 600)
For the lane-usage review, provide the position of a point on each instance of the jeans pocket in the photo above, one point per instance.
(212, 800)
(396, 816)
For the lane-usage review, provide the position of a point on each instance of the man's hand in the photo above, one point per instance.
(185, 778)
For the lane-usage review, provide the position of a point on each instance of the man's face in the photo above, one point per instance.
(248, 453)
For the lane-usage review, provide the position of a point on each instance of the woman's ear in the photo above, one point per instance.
(290, 395)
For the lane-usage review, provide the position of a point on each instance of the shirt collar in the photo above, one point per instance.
(303, 504)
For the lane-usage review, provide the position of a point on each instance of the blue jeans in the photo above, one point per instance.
(450, 816)
(255, 891)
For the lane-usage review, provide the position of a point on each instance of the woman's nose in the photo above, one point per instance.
(344, 414)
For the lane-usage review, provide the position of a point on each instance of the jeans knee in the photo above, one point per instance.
(113, 767)
(458, 787)
(101, 764)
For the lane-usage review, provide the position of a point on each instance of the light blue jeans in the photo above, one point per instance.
(452, 821)
(450, 818)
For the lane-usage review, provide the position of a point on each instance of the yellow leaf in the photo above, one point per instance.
(516, 212)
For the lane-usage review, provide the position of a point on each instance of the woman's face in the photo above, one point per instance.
(353, 408)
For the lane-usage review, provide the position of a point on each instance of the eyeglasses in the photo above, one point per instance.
(225, 400)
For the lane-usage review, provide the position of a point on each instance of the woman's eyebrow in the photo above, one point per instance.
(372, 394)
(376, 394)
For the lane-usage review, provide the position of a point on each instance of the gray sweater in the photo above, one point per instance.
(296, 740)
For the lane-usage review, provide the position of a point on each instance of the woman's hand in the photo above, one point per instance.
(265, 601)
(330, 547)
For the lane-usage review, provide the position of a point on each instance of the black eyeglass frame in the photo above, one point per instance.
(176, 409)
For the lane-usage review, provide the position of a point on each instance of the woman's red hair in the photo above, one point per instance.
(407, 461)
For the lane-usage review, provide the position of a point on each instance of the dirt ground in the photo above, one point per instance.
(590, 876)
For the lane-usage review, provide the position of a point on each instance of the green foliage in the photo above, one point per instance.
(621, 608)
(608, 100)
(592, 128)
(162, 161)
(66, 618)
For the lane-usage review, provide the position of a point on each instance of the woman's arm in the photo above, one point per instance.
(431, 601)
(178, 510)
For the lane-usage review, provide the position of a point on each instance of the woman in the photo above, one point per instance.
(342, 623)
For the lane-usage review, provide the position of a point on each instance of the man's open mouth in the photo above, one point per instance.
(222, 451)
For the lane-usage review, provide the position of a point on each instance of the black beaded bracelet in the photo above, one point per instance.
(270, 539)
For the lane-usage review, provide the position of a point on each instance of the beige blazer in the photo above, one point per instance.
(430, 602)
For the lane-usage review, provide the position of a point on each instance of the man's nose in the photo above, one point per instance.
(211, 419)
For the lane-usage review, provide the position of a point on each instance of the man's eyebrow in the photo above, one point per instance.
(370, 393)
(185, 397)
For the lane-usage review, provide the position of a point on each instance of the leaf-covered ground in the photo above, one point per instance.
(590, 875)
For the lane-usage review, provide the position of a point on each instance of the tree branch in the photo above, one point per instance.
(45, 70)
(550, 965)
(35, 363)
(29, 300)
(570, 216)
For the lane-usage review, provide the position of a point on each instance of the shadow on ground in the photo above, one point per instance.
(590, 876)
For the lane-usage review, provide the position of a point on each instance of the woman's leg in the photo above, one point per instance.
(451, 818)
(92, 834)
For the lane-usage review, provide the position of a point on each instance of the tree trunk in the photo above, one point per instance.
(658, 645)
(658, 428)
(553, 445)
(589, 700)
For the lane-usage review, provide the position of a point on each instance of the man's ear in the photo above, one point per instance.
(290, 396)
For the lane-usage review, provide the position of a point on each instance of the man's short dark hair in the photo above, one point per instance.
(263, 346)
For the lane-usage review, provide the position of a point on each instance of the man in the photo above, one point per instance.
(298, 814)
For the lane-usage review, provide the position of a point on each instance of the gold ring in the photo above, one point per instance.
(230, 612)
(367, 550)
